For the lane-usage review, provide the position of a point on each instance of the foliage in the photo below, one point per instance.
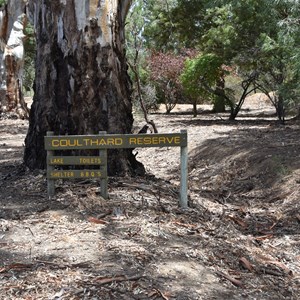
(204, 77)
(161, 32)
(203, 70)
(165, 70)
(223, 31)
(157, 69)
(3, 2)
(233, 27)
(252, 36)
(281, 54)
(167, 65)
(135, 51)
(261, 38)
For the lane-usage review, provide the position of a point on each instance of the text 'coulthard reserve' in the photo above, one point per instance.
(114, 141)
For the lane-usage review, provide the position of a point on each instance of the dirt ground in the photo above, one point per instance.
(239, 239)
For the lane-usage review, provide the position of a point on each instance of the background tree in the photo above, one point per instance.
(249, 34)
(232, 33)
(238, 32)
(81, 84)
(12, 24)
(201, 79)
(279, 66)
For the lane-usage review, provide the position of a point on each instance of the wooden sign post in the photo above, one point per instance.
(103, 142)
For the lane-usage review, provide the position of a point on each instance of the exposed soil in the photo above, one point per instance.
(239, 239)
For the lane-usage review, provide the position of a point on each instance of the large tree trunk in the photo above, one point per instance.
(81, 85)
(12, 23)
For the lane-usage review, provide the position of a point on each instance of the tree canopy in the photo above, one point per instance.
(250, 37)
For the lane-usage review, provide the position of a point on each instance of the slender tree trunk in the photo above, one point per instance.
(297, 117)
(140, 96)
(280, 109)
(81, 85)
(12, 24)
(219, 103)
(195, 112)
(3, 41)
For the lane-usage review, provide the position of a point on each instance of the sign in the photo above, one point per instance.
(102, 142)
(112, 141)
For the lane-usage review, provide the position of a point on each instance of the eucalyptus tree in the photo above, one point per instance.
(12, 24)
(81, 85)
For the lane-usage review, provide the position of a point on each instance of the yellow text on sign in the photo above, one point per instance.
(57, 161)
(115, 141)
(162, 140)
(76, 160)
(89, 161)
(86, 142)
(61, 174)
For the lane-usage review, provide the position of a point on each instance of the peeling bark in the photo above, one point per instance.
(81, 85)
(3, 40)
(12, 23)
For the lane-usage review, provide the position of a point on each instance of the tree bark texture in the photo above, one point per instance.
(81, 84)
(12, 24)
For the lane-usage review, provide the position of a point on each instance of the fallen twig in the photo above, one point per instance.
(158, 198)
(97, 221)
(246, 264)
(184, 225)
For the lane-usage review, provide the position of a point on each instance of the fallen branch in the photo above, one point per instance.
(16, 266)
(272, 272)
(107, 280)
(159, 293)
(84, 264)
(234, 281)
